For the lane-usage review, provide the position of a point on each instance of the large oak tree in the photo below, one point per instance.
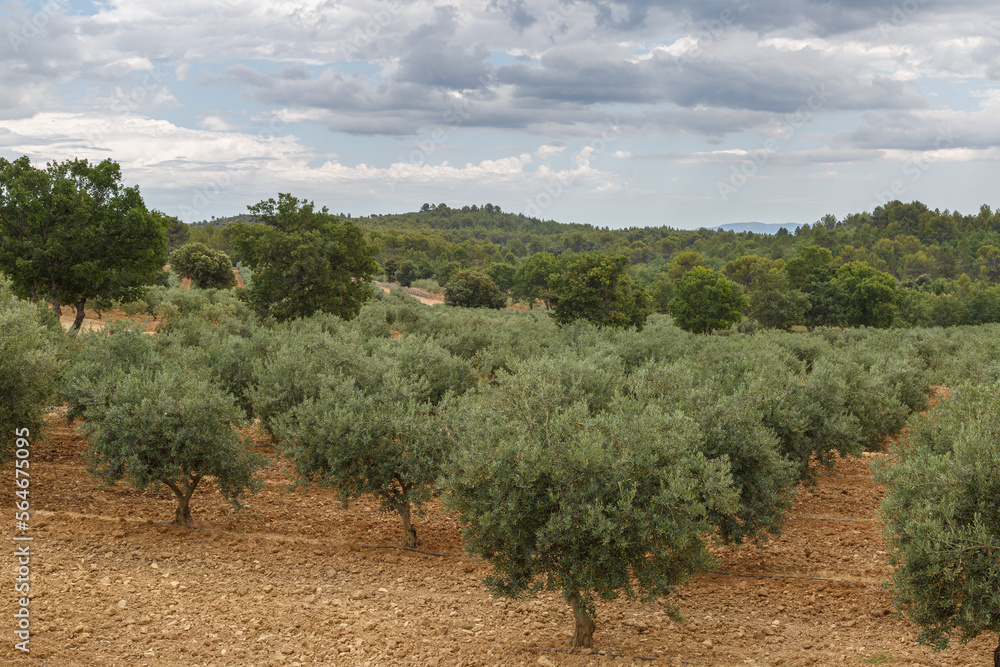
(304, 260)
(73, 232)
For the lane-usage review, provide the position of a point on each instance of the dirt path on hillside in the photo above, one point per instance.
(422, 296)
(294, 578)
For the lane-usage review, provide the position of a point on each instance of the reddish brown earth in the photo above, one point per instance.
(287, 581)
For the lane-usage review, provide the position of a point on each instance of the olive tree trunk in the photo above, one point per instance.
(183, 490)
(409, 532)
(996, 656)
(583, 633)
(401, 504)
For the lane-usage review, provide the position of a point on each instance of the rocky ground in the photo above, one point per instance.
(294, 578)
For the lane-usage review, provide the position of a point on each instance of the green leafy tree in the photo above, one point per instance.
(446, 271)
(705, 301)
(503, 275)
(304, 260)
(660, 294)
(391, 268)
(747, 269)
(593, 506)
(988, 261)
(942, 519)
(684, 262)
(205, 267)
(599, 289)
(72, 232)
(384, 442)
(531, 281)
(774, 302)
(178, 234)
(170, 426)
(870, 296)
(471, 289)
(809, 261)
(30, 365)
(407, 273)
(826, 300)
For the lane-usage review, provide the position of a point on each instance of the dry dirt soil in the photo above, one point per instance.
(294, 578)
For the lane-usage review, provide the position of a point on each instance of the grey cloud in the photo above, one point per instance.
(240, 74)
(295, 73)
(517, 13)
(819, 17)
(909, 131)
(755, 79)
(432, 56)
(446, 65)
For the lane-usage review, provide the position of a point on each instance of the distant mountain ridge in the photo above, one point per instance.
(758, 227)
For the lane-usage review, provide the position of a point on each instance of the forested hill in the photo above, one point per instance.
(907, 240)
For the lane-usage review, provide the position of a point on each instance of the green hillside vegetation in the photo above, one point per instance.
(945, 265)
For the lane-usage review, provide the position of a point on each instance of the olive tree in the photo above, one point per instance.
(116, 349)
(591, 505)
(732, 429)
(383, 442)
(170, 426)
(295, 357)
(942, 519)
(29, 369)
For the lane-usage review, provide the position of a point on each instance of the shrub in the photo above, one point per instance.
(30, 363)
(382, 441)
(942, 519)
(204, 266)
(169, 426)
(593, 506)
(428, 285)
(471, 289)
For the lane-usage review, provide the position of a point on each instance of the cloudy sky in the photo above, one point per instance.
(685, 113)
